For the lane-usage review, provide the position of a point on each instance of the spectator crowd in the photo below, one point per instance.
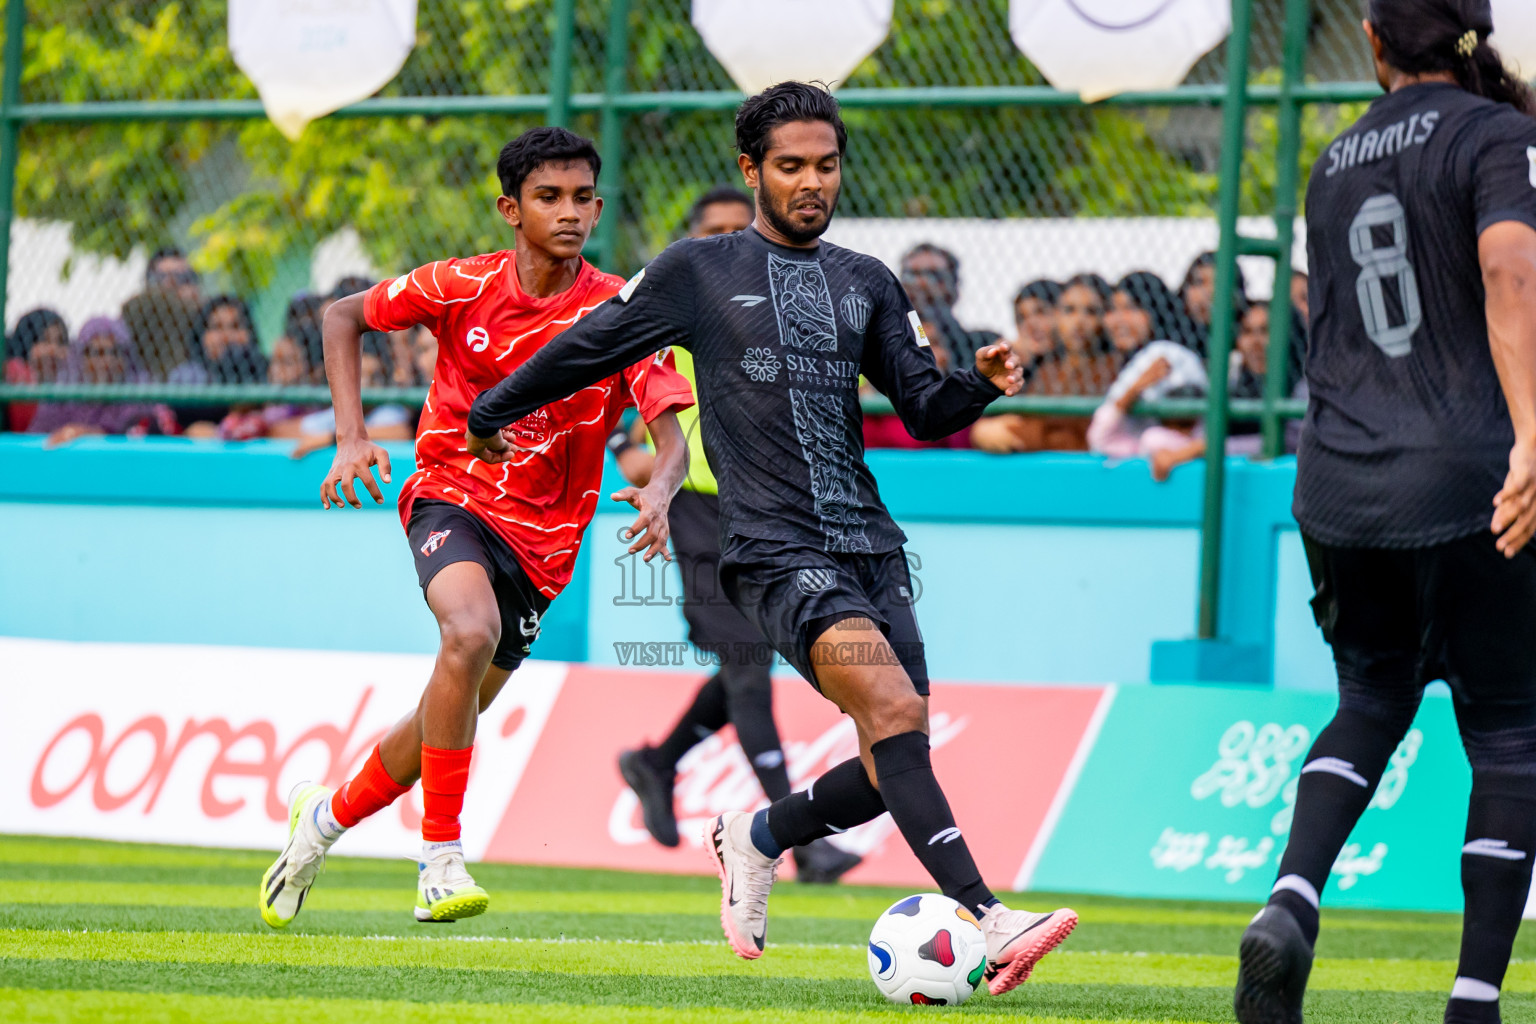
(171, 333)
(1133, 339)
(1124, 341)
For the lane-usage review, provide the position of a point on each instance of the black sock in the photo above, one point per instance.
(841, 799)
(918, 806)
(1495, 879)
(1340, 775)
(749, 703)
(704, 717)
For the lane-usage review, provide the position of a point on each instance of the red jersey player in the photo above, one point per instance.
(493, 544)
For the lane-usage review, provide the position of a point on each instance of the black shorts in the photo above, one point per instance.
(793, 593)
(1458, 611)
(442, 534)
(714, 624)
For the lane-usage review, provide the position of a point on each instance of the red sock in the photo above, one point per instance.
(444, 777)
(369, 792)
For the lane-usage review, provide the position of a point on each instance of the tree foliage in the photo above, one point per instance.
(416, 188)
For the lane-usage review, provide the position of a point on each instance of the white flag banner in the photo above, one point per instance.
(1514, 35)
(791, 40)
(1098, 48)
(310, 57)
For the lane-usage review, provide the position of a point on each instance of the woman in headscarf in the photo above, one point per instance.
(1142, 309)
(102, 354)
(223, 349)
(35, 353)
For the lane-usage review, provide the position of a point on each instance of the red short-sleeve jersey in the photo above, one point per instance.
(541, 502)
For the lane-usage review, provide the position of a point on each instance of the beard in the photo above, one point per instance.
(778, 212)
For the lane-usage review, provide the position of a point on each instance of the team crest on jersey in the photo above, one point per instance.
(398, 285)
(855, 309)
(814, 581)
(434, 541)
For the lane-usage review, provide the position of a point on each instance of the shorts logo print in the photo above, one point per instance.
(814, 581)
(434, 541)
(528, 625)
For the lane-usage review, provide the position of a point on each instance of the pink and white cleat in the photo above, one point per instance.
(1017, 939)
(746, 877)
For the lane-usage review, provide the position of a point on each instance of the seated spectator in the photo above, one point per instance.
(102, 353)
(288, 367)
(1141, 310)
(1171, 447)
(1083, 361)
(302, 325)
(1162, 369)
(1034, 316)
(35, 353)
(223, 349)
(1299, 301)
(162, 318)
(390, 422)
(416, 357)
(1197, 295)
(931, 277)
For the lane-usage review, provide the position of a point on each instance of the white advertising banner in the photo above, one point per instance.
(793, 40)
(201, 745)
(1098, 48)
(310, 57)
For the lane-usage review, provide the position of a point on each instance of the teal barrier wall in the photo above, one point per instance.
(1051, 568)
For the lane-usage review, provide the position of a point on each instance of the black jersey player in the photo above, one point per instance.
(741, 692)
(781, 327)
(1416, 482)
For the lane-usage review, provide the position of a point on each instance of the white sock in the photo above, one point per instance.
(324, 820)
(1474, 991)
(432, 850)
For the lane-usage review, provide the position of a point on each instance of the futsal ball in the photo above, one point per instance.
(927, 949)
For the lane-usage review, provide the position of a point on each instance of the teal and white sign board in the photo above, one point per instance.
(1188, 794)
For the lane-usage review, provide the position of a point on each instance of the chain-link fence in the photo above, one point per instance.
(1018, 188)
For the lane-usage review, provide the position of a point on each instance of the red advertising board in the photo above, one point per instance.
(1002, 754)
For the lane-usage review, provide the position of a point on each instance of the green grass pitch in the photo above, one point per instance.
(93, 931)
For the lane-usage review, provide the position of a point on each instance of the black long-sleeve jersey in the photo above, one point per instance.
(1407, 434)
(779, 338)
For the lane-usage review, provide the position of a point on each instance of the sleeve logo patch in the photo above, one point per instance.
(917, 328)
(398, 284)
(631, 285)
(1530, 154)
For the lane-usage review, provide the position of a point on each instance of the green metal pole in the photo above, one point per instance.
(1234, 118)
(1298, 13)
(10, 97)
(611, 132)
(560, 63)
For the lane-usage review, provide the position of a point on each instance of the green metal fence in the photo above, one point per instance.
(125, 126)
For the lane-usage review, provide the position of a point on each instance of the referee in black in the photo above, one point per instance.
(741, 692)
(1416, 480)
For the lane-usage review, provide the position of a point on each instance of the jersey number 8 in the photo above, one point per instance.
(1377, 264)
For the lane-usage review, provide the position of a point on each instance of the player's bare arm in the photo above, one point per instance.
(1507, 252)
(650, 530)
(356, 455)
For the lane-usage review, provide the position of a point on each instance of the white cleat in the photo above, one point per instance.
(287, 881)
(746, 878)
(444, 890)
(1017, 939)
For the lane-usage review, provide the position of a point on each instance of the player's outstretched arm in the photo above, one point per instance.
(653, 501)
(653, 311)
(1507, 252)
(899, 362)
(356, 455)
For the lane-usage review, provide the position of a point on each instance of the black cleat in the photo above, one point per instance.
(820, 863)
(1274, 961)
(654, 788)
